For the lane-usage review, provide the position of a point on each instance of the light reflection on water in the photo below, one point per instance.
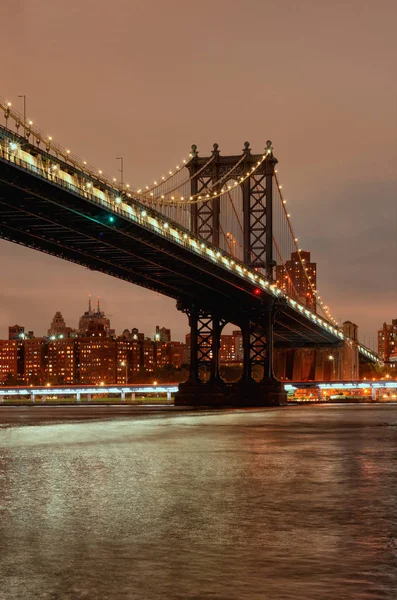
(273, 504)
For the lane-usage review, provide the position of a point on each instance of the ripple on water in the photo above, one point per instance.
(272, 504)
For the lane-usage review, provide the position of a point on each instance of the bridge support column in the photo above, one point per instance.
(88, 398)
(78, 397)
(1, 399)
(258, 385)
(43, 399)
(122, 395)
(204, 386)
(32, 398)
(132, 396)
(168, 396)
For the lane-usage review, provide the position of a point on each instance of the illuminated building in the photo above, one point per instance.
(34, 366)
(128, 359)
(89, 355)
(9, 359)
(97, 360)
(60, 361)
(162, 354)
(298, 280)
(148, 355)
(227, 351)
(387, 344)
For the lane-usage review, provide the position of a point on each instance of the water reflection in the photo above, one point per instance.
(278, 504)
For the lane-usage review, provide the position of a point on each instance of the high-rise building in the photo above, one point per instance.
(58, 327)
(128, 359)
(94, 323)
(34, 360)
(227, 351)
(387, 343)
(60, 361)
(162, 354)
(11, 361)
(148, 355)
(97, 360)
(299, 279)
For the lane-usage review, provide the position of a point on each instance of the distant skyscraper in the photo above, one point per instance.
(293, 278)
(94, 323)
(387, 343)
(58, 326)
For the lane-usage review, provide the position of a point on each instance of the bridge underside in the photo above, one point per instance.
(40, 215)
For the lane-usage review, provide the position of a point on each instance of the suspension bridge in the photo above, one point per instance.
(214, 234)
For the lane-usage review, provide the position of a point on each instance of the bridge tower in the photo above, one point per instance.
(257, 194)
(206, 320)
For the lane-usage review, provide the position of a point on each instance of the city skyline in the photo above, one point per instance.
(77, 320)
(336, 153)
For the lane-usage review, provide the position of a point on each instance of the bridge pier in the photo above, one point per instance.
(257, 387)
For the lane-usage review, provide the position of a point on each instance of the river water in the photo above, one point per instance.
(272, 504)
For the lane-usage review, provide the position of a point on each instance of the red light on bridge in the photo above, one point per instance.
(257, 292)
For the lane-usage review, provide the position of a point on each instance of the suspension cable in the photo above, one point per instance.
(313, 290)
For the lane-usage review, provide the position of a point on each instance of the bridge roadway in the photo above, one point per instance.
(55, 207)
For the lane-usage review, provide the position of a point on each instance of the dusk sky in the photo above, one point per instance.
(145, 80)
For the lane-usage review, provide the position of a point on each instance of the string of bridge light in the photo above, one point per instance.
(171, 174)
(324, 308)
(209, 195)
(53, 147)
(199, 196)
(62, 153)
(152, 197)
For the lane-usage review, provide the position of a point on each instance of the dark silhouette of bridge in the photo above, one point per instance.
(209, 235)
